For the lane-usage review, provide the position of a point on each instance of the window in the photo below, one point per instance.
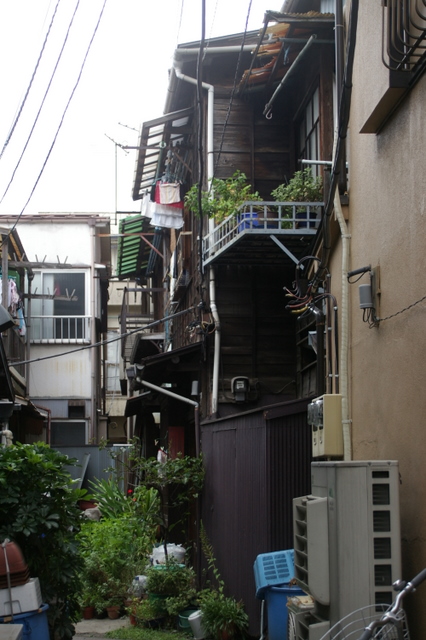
(67, 432)
(58, 310)
(309, 133)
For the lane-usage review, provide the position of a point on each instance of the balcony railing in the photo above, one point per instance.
(263, 218)
(60, 329)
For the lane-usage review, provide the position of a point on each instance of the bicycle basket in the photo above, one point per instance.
(351, 626)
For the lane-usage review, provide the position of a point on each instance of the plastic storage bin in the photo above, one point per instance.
(276, 602)
(35, 626)
(272, 570)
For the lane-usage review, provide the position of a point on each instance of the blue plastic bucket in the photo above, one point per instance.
(34, 623)
(276, 602)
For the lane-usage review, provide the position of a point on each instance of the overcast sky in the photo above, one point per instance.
(122, 84)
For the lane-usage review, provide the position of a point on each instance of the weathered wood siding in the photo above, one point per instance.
(256, 463)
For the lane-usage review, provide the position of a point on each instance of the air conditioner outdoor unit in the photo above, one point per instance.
(347, 546)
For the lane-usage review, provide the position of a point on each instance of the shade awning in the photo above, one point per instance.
(165, 138)
(137, 242)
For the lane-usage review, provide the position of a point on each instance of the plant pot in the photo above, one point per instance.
(88, 613)
(132, 619)
(183, 616)
(113, 612)
(247, 220)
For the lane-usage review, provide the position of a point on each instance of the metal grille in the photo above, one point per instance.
(404, 34)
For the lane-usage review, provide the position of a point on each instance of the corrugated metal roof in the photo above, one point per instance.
(136, 242)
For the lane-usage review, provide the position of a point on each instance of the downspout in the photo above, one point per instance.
(210, 174)
(93, 351)
(344, 336)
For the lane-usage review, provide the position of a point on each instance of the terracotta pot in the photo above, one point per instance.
(132, 619)
(113, 612)
(88, 613)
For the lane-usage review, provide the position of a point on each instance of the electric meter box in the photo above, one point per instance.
(325, 418)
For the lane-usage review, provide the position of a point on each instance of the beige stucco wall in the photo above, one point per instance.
(387, 223)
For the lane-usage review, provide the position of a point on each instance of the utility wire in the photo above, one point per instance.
(62, 119)
(110, 340)
(42, 103)
(18, 115)
(234, 88)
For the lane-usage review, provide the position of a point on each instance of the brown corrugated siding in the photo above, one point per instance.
(254, 468)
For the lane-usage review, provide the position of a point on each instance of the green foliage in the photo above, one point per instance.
(114, 550)
(38, 511)
(141, 633)
(303, 187)
(221, 614)
(175, 581)
(113, 503)
(178, 481)
(223, 198)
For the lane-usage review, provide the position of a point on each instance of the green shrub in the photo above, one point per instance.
(223, 198)
(38, 511)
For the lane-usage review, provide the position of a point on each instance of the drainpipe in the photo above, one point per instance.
(210, 174)
(344, 339)
(210, 108)
(93, 351)
(319, 326)
(216, 357)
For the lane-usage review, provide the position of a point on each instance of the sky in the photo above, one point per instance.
(64, 114)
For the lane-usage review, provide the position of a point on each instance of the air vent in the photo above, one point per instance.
(382, 575)
(381, 521)
(381, 494)
(382, 548)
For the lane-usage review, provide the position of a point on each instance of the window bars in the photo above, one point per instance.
(404, 34)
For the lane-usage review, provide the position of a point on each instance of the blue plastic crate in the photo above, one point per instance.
(272, 570)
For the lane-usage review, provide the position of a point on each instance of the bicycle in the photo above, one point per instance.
(377, 621)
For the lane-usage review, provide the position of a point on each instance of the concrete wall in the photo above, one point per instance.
(387, 223)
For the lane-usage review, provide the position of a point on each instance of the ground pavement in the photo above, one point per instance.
(95, 628)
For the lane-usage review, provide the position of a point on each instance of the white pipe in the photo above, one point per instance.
(216, 358)
(344, 335)
(210, 174)
(210, 108)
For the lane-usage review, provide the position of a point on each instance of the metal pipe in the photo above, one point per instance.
(176, 396)
(268, 107)
(217, 336)
(320, 349)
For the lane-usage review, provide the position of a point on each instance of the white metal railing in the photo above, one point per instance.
(271, 218)
(60, 329)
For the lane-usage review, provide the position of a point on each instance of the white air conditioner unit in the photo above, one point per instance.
(347, 546)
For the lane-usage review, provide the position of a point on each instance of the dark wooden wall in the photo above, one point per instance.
(257, 332)
(256, 463)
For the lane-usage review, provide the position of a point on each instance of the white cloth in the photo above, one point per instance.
(169, 192)
(164, 216)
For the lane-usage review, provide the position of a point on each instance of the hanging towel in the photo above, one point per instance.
(159, 195)
(169, 192)
(163, 215)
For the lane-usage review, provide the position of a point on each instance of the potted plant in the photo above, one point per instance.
(170, 587)
(303, 187)
(146, 614)
(223, 617)
(224, 197)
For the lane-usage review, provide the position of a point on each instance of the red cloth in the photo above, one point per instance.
(177, 205)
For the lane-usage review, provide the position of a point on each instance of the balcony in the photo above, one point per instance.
(60, 329)
(264, 233)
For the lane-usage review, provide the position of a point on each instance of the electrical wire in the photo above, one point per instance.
(109, 341)
(18, 115)
(61, 121)
(234, 88)
(42, 102)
